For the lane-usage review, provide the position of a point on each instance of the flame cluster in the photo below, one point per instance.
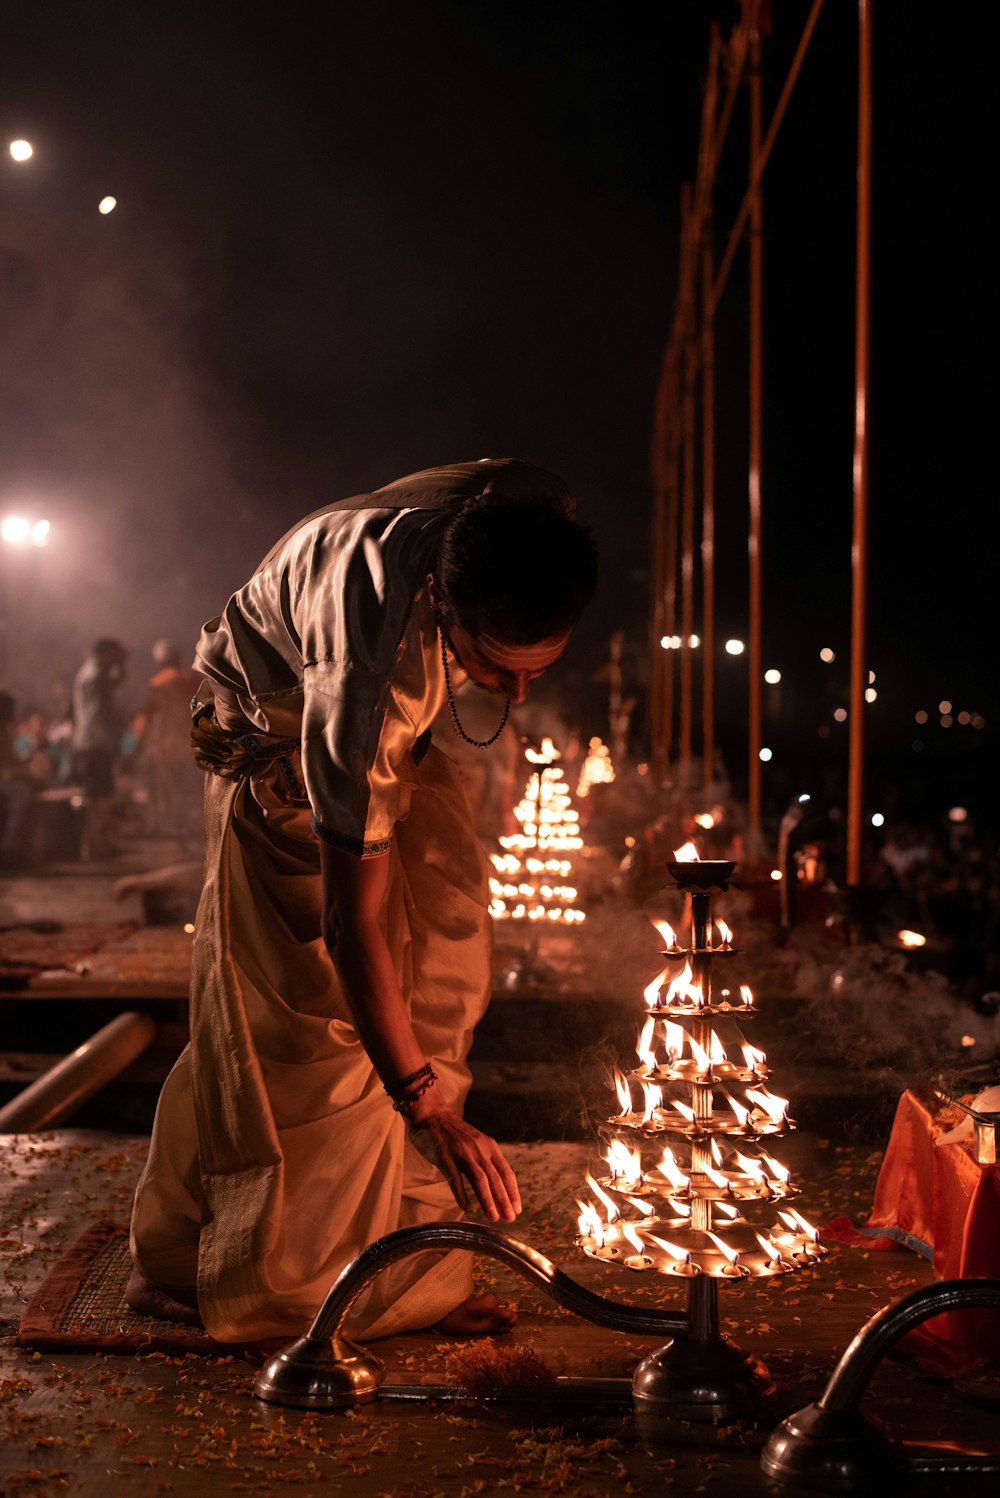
(529, 878)
(597, 768)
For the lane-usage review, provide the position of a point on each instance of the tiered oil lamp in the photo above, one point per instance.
(530, 879)
(686, 1156)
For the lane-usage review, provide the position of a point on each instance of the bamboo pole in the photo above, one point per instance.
(708, 431)
(859, 549)
(687, 490)
(755, 651)
(758, 168)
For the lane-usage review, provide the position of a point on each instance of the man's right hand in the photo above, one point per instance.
(462, 1153)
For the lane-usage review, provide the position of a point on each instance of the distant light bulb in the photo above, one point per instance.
(776, 874)
(21, 150)
(735, 647)
(840, 714)
(107, 205)
(765, 755)
(15, 529)
(772, 677)
(878, 820)
(827, 655)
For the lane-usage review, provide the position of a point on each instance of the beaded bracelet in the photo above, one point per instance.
(396, 1089)
(404, 1104)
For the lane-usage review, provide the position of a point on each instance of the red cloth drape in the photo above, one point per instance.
(940, 1202)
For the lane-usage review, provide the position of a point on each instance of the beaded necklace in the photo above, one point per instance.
(455, 722)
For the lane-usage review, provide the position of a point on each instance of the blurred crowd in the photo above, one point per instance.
(98, 764)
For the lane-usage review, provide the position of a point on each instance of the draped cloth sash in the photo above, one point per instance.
(276, 1156)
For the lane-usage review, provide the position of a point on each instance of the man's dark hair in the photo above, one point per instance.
(522, 571)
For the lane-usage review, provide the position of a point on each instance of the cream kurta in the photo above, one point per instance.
(276, 1155)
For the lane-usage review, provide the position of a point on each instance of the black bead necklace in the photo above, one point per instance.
(455, 723)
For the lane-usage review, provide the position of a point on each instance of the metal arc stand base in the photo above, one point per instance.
(697, 1375)
(831, 1447)
(700, 1375)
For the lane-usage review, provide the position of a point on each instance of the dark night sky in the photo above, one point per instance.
(357, 240)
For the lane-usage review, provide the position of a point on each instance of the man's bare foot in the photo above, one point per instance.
(479, 1316)
(147, 1299)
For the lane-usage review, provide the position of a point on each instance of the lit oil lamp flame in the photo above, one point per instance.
(675, 1036)
(725, 935)
(775, 1107)
(742, 1114)
(704, 819)
(653, 1099)
(727, 1209)
(754, 1059)
(911, 938)
(651, 993)
(779, 1171)
(728, 1253)
(749, 1166)
(589, 1223)
(646, 1208)
(800, 1223)
(687, 854)
(716, 1049)
(680, 1255)
(716, 1177)
(611, 1208)
(644, 1045)
(716, 1152)
(624, 1165)
(624, 1094)
(544, 754)
(746, 994)
(688, 1114)
(772, 1251)
(671, 1171)
(668, 934)
(702, 1061)
(633, 1237)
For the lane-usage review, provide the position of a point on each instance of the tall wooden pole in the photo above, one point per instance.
(687, 493)
(755, 652)
(708, 436)
(859, 548)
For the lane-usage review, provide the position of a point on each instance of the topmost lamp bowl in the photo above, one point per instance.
(702, 874)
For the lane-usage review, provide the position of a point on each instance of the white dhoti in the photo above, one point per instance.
(276, 1155)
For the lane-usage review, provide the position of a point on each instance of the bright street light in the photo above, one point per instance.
(16, 530)
(21, 150)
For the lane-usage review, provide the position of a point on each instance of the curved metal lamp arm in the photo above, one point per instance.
(477, 1238)
(833, 1447)
(851, 1376)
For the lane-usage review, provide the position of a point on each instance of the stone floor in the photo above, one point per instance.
(144, 1425)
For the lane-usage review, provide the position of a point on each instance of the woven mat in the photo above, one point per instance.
(80, 1307)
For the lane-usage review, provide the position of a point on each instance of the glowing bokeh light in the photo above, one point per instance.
(878, 820)
(735, 647)
(15, 529)
(840, 714)
(958, 814)
(944, 707)
(772, 677)
(921, 717)
(766, 755)
(107, 205)
(871, 695)
(21, 150)
(827, 655)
